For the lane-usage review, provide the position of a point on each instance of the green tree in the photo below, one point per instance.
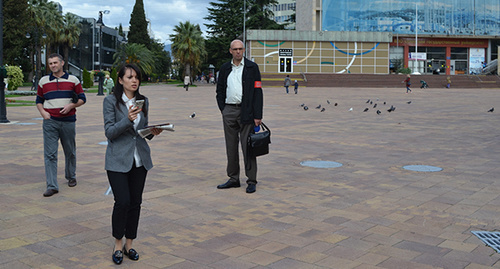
(138, 32)
(69, 35)
(188, 45)
(47, 20)
(87, 80)
(162, 59)
(227, 24)
(136, 54)
(16, 23)
(120, 31)
(260, 15)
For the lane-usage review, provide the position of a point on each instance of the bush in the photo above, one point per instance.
(15, 77)
(404, 70)
(87, 80)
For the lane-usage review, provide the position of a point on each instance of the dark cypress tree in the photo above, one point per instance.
(138, 25)
(16, 24)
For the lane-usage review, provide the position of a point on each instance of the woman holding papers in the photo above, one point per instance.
(128, 157)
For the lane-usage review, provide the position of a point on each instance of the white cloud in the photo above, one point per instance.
(164, 15)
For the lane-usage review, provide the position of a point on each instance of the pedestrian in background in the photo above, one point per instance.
(408, 83)
(287, 83)
(296, 87)
(448, 82)
(108, 84)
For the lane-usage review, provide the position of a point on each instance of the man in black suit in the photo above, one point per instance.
(240, 100)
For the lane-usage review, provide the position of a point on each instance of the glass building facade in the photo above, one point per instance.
(444, 17)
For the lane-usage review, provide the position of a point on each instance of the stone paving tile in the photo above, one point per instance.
(369, 213)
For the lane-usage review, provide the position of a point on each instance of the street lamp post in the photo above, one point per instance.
(36, 37)
(3, 108)
(100, 23)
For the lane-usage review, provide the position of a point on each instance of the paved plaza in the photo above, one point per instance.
(368, 213)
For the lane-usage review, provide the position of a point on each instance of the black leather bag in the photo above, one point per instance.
(258, 143)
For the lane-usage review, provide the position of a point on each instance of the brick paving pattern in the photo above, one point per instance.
(369, 213)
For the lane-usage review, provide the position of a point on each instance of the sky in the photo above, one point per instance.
(163, 14)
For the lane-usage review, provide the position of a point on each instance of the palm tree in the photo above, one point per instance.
(188, 45)
(46, 19)
(69, 35)
(136, 54)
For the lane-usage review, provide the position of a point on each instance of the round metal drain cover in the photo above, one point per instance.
(105, 143)
(422, 168)
(321, 164)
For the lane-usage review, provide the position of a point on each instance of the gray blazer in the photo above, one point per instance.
(122, 138)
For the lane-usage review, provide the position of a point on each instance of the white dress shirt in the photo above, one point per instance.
(129, 103)
(234, 91)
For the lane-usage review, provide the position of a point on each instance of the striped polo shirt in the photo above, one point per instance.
(54, 93)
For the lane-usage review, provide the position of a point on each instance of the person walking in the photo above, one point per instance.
(408, 83)
(108, 84)
(448, 82)
(58, 96)
(186, 82)
(296, 87)
(287, 83)
(240, 99)
(128, 157)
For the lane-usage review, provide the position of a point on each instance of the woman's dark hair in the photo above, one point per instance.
(118, 91)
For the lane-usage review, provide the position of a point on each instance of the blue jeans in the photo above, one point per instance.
(53, 131)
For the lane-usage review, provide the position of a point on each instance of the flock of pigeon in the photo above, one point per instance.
(370, 102)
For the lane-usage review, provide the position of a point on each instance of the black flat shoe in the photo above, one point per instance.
(118, 257)
(131, 254)
(251, 188)
(229, 184)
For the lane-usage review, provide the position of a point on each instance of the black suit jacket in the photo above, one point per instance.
(252, 100)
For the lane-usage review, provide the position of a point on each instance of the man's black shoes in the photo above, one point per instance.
(72, 182)
(50, 192)
(229, 184)
(251, 188)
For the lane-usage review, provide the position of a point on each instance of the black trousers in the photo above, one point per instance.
(127, 190)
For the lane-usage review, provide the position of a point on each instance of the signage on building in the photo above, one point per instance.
(286, 52)
(419, 56)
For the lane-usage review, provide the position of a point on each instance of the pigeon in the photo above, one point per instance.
(378, 112)
(192, 115)
(391, 109)
(335, 104)
(328, 101)
(371, 102)
(491, 109)
(384, 103)
(366, 109)
(409, 102)
(350, 109)
(318, 107)
(368, 101)
(302, 105)
(375, 105)
(323, 109)
(306, 108)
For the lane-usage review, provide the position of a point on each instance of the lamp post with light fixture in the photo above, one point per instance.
(100, 23)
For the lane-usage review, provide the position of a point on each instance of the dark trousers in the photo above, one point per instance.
(234, 133)
(127, 190)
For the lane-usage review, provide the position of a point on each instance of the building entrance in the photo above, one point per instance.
(286, 65)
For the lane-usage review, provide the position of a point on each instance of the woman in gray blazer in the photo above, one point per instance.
(128, 157)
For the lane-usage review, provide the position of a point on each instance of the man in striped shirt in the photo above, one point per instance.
(58, 96)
